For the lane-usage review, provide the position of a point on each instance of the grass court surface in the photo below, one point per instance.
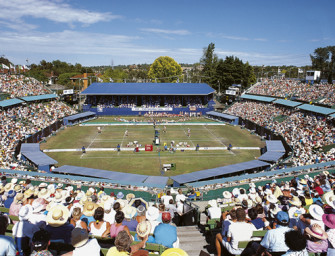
(149, 163)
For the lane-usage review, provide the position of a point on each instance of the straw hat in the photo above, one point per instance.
(58, 215)
(271, 198)
(258, 199)
(130, 196)
(143, 228)
(152, 213)
(29, 192)
(316, 211)
(303, 181)
(89, 193)
(226, 194)
(25, 212)
(59, 198)
(275, 210)
(18, 199)
(295, 201)
(174, 252)
(329, 198)
(44, 193)
(38, 205)
(121, 202)
(316, 231)
(252, 190)
(13, 181)
(17, 188)
(267, 192)
(79, 237)
(329, 220)
(129, 212)
(252, 185)
(9, 186)
(43, 185)
(89, 208)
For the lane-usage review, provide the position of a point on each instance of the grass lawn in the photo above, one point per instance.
(149, 163)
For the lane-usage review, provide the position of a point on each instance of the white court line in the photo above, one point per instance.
(216, 138)
(124, 135)
(187, 136)
(82, 155)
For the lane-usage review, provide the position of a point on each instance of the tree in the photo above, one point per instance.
(165, 70)
(209, 61)
(114, 75)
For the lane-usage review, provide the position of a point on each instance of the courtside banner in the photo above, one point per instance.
(151, 109)
(148, 147)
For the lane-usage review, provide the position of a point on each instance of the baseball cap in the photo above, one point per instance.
(282, 217)
(166, 216)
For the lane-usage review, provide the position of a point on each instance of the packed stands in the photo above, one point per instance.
(306, 132)
(322, 93)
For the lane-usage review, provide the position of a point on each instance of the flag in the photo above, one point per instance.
(11, 66)
(25, 67)
(300, 71)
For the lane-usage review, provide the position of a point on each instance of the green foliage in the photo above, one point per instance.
(114, 75)
(209, 61)
(165, 70)
(323, 59)
(57, 68)
(64, 78)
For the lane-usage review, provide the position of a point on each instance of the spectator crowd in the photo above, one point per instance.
(297, 216)
(305, 132)
(284, 88)
(66, 214)
(21, 86)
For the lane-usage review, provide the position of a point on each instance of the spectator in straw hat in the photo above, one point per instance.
(82, 244)
(140, 213)
(329, 221)
(314, 217)
(316, 239)
(142, 231)
(40, 243)
(75, 218)
(152, 215)
(129, 214)
(7, 245)
(57, 223)
(37, 216)
(99, 227)
(24, 230)
(16, 205)
(88, 212)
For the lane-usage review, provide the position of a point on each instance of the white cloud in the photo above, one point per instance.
(240, 38)
(57, 11)
(181, 32)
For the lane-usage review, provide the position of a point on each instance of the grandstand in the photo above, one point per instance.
(141, 98)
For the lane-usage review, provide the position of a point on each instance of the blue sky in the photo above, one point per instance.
(263, 32)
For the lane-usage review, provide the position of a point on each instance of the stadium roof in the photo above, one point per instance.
(80, 115)
(39, 158)
(288, 103)
(156, 180)
(217, 114)
(262, 174)
(271, 156)
(11, 102)
(275, 145)
(39, 97)
(216, 172)
(317, 109)
(148, 89)
(117, 177)
(258, 98)
(30, 147)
